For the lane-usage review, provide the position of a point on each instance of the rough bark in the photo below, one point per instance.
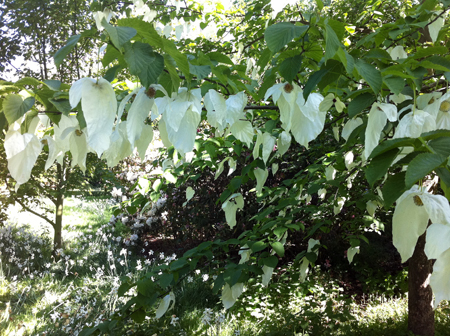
(420, 297)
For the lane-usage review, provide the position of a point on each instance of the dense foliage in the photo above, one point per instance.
(321, 115)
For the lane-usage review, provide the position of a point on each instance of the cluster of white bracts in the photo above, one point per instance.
(413, 211)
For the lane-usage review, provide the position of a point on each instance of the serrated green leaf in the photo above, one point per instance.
(421, 166)
(200, 71)
(347, 60)
(62, 105)
(378, 53)
(379, 165)
(441, 145)
(394, 143)
(280, 34)
(61, 54)
(119, 35)
(393, 188)
(290, 67)
(360, 103)
(278, 248)
(15, 107)
(312, 82)
(395, 84)
(370, 74)
(332, 42)
(28, 81)
(53, 84)
(219, 57)
(111, 73)
(143, 62)
(444, 175)
(430, 51)
(434, 135)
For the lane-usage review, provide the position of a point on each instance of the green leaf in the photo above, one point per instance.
(435, 134)
(393, 188)
(165, 279)
(444, 175)
(271, 261)
(278, 248)
(111, 73)
(441, 145)
(181, 59)
(332, 42)
(346, 59)
(312, 82)
(14, 107)
(290, 67)
(143, 62)
(430, 51)
(53, 84)
(360, 103)
(119, 35)
(111, 54)
(219, 57)
(24, 128)
(138, 316)
(64, 51)
(395, 84)
(319, 4)
(27, 81)
(258, 246)
(430, 65)
(62, 105)
(177, 264)
(378, 54)
(200, 71)
(280, 34)
(379, 165)
(370, 74)
(421, 166)
(394, 143)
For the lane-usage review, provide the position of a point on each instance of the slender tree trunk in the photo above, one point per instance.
(59, 205)
(57, 239)
(420, 297)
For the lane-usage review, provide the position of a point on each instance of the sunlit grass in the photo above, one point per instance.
(41, 294)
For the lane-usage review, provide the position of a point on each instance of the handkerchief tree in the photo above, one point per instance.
(344, 92)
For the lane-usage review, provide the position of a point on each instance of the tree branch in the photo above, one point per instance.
(34, 212)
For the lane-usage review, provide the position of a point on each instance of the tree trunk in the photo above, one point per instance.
(420, 297)
(57, 239)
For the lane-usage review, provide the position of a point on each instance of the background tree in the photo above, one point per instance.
(288, 87)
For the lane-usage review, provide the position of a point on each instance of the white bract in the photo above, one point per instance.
(435, 27)
(22, 151)
(139, 111)
(230, 206)
(305, 262)
(378, 116)
(413, 211)
(182, 116)
(350, 126)
(230, 294)
(165, 304)
(351, 252)
(397, 53)
(99, 105)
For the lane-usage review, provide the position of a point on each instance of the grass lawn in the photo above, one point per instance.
(42, 294)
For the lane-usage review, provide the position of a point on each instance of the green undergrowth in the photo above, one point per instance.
(41, 294)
